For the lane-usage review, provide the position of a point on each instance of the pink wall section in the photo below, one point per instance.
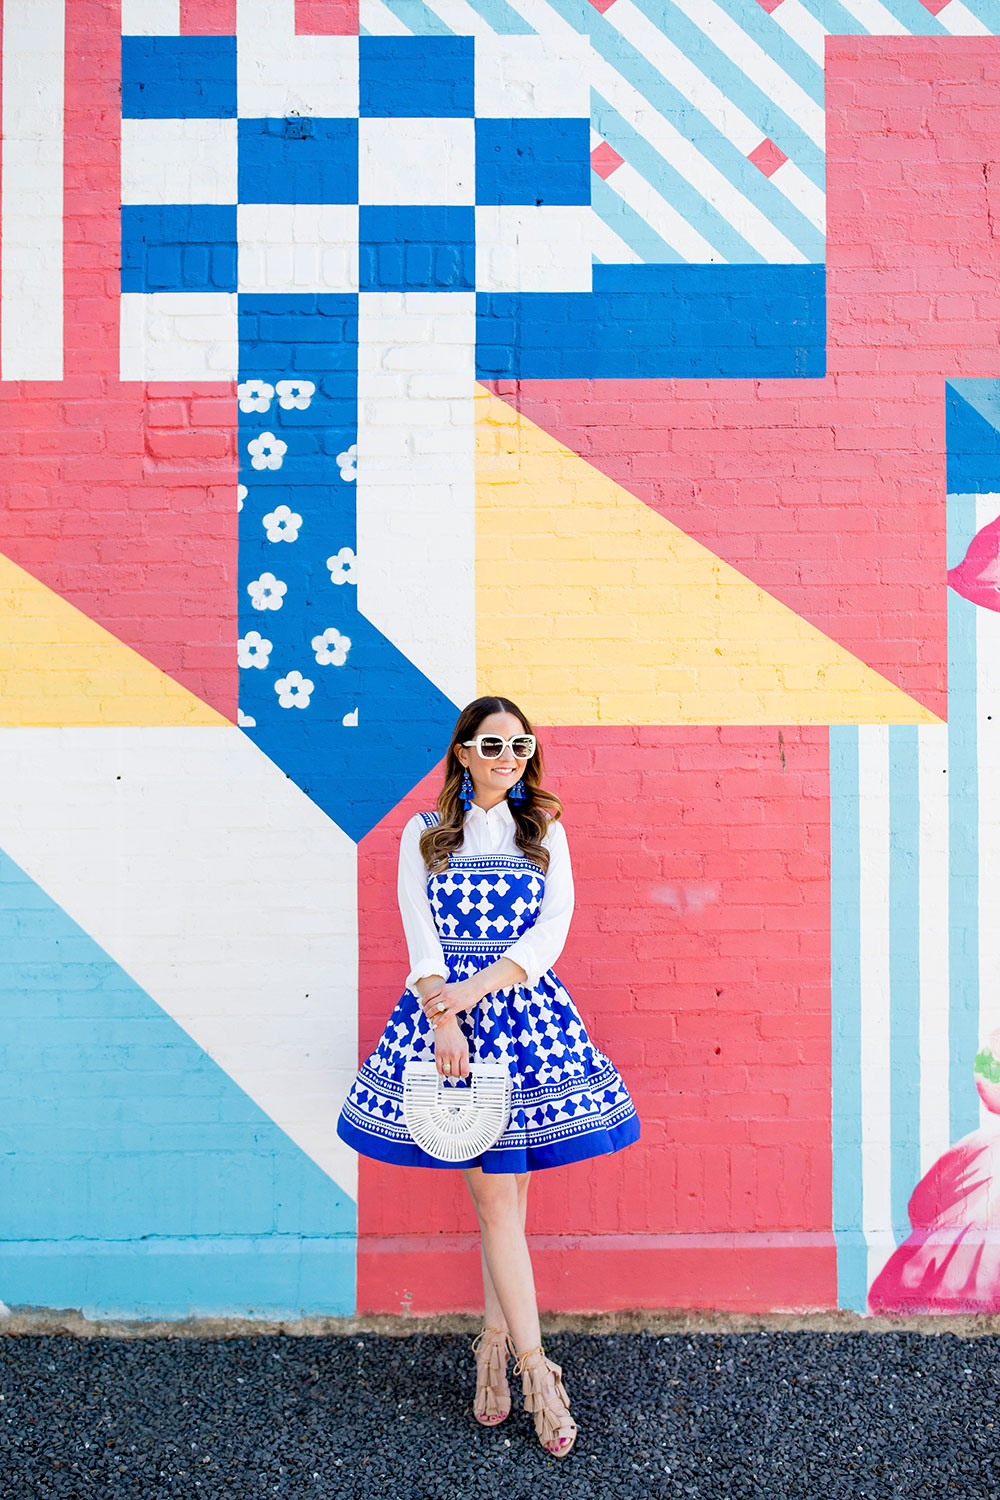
(699, 958)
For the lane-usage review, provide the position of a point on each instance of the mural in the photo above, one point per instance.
(358, 357)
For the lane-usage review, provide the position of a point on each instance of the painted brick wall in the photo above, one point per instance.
(358, 360)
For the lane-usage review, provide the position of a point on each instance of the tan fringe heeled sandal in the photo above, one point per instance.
(492, 1348)
(554, 1427)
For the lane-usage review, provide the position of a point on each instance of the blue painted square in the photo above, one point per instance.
(533, 161)
(417, 75)
(179, 77)
(410, 249)
(179, 247)
(298, 160)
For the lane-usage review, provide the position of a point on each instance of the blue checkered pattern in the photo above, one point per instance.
(425, 245)
(569, 1101)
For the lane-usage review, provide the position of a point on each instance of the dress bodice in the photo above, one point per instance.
(485, 901)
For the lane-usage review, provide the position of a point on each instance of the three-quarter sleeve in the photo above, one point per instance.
(422, 941)
(537, 949)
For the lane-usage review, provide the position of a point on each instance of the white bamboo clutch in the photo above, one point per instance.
(455, 1121)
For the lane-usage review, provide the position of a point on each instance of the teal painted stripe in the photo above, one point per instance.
(672, 187)
(707, 138)
(963, 822)
(837, 20)
(631, 226)
(735, 85)
(420, 19)
(503, 18)
(845, 1017)
(987, 11)
(775, 41)
(904, 970)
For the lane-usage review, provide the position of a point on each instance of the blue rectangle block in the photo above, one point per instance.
(533, 161)
(298, 160)
(178, 77)
(179, 247)
(422, 248)
(416, 75)
(660, 321)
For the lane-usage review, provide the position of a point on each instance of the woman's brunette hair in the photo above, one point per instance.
(531, 816)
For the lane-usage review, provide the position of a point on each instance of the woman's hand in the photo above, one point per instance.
(451, 1050)
(462, 995)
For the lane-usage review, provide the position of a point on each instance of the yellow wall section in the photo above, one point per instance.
(593, 609)
(59, 668)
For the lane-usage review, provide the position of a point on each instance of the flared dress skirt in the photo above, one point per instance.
(568, 1099)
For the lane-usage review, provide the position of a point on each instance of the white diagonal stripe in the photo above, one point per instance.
(608, 247)
(932, 771)
(874, 17)
(959, 20)
(802, 193)
(379, 20)
(219, 886)
(802, 26)
(661, 216)
(752, 60)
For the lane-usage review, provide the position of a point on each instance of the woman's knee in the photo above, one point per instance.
(496, 1197)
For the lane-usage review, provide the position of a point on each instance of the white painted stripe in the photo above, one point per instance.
(752, 60)
(745, 217)
(179, 336)
(874, 17)
(280, 74)
(179, 161)
(379, 20)
(802, 193)
(802, 26)
(31, 191)
(151, 17)
(959, 20)
(876, 1132)
(416, 479)
(609, 248)
(932, 772)
(456, 14)
(662, 217)
(988, 736)
(678, 69)
(219, 886)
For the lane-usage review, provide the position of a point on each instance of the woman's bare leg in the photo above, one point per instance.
(494, 1312)
(500, 1200)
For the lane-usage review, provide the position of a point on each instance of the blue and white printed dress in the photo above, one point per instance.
(569, 1101)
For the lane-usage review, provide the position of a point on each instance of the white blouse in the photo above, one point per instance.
(485, 833)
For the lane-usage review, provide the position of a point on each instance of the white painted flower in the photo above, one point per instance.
(267, 592)
(241, 494)
(266, 451)
(331, 648)
(351, 719)
(282, 524)
(295, 394)
(349, 463)
(253, 650)
(294, 690)
(343, 566)
(255, 395)
(245, 721)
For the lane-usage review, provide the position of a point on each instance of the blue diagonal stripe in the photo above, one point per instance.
(420, 19)
(631, 226)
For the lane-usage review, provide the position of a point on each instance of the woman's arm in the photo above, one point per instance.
(423, 944)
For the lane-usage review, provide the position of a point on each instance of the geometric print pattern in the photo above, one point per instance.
(568, 1101)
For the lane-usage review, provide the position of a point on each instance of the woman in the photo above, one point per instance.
(486, 895)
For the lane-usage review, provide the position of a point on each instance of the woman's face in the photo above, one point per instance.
(490, 777)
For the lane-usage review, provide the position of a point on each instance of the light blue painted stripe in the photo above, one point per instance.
(833, 16)
(710, 141)
(672, 187)
(917, 20)
(631, 226)
(734, 84)
(415, 15)
(503, 18)
(963, 819)
(904, 970)
(775, 41)
(987, 11)
(845, 1017)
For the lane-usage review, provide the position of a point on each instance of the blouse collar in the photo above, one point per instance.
(502, 808)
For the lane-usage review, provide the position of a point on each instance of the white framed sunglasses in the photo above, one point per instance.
(491, 746)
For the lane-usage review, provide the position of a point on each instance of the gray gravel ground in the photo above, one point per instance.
(687, 1415)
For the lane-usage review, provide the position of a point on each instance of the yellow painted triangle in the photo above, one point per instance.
(58, 667)
(593, 609)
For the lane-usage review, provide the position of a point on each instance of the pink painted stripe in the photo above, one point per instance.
(208, 17)
(326, 17)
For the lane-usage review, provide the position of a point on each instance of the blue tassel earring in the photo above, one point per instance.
(517, 792)
(466, 791)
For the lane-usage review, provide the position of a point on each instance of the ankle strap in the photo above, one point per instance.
(485, 1337)
(525, 1355)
